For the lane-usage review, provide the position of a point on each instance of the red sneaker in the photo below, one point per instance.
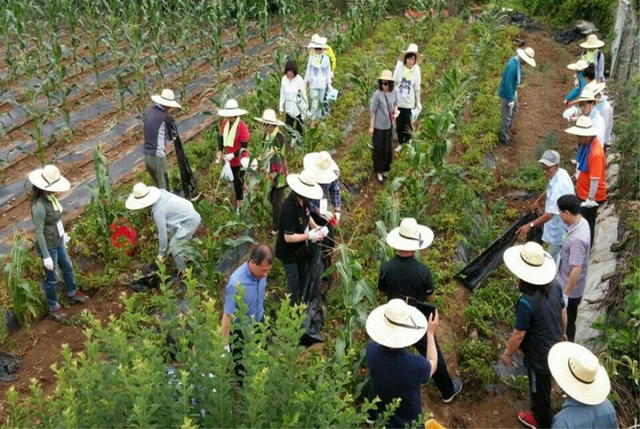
(527, 419)
(78, 298)
(58, 315)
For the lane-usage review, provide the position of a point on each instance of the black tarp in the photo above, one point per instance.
(187, 178)
(311, 295)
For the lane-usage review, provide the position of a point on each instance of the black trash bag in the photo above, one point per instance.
(8, 365)
(148, 280)
(187, 178)
(479, 269)
(311, 296)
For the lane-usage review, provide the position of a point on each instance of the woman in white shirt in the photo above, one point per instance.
(318, 77)
(407, 82)
(293, 98)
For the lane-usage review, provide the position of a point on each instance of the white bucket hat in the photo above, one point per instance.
(592, 42)
(304, 184)
(166, 98)
(231, 109)
(142, 196)
(583, 127)
(529, 262)
(49, 179)
(323, 167)
(396, 324)
(269, 117)
(410, 236)
(578, 372)
(527, 55)
(578, 65)
(317, 42)
(412, 49)
(386, 75)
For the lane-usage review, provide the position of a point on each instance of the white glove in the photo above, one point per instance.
(66, 238)
(48, 263)
(324, 231)
(589, 204)
(244, 162)
(565, 298)
(228, 157)
(337, 216)
(314, 235)
(511, 104)
(326, 215)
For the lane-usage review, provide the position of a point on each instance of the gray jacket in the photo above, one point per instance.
(381, 107)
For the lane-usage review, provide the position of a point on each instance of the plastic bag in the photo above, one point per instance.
(226, 174)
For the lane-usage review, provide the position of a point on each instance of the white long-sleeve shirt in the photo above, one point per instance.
(318, 77)
(408, 90)
(293, 96)
(169, 212)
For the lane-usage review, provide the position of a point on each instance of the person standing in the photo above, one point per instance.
(383, 109)
(591, 186)
(541, 322)
(579, 82)
(579, 374)
(574, 258)
(396, 372)
(593, 55)
(159, 128)
(407, 82)
(559, 184)
(508, 91)
(293, 99)
(604, 108)
(172, 214)
(51, 239)
(318, 76)
(404, 277)
(587, 103)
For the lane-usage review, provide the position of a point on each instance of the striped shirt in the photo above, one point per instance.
(575, 252)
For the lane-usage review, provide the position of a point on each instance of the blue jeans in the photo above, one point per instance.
(60, 258)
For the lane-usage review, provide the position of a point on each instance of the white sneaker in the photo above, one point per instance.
(380, 178)
(399, 148)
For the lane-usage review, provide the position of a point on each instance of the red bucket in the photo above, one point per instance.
(123, 235)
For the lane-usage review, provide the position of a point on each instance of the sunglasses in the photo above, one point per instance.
(384, 82)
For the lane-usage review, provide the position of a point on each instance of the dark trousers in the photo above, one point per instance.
(295, 123)
(328, 243)
(441, 377)
(572, 313)
(382, 153)
(590, 215)
(540, 393)
(403, 122)
(296, 274)
(276, 197)
(238, 182)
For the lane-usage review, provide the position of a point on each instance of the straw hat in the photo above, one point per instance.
(304, 184)
(583, 127)
(595, 87)
(529, 262)
(396, 324)
(410, 236)
(142, 196)
(324, 168)
(578, 372)
(592, 42)
(412, 49)
(269, 117)
(49, 179)
(386, 75)
(231, 109)
(578, 65)
(166, 98)
(585, 95)
(527, 55)
(317, 42)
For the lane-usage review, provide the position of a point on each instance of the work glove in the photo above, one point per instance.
(336, 215)
(66, 238)
(589, 204)
(565, 298)
(314, 235)
(48, 263)
(227, 351)
(228, 157)
(244, 162)
(326, 215)
(511, 104)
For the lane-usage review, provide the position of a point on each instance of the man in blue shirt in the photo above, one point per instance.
(508, 91)
(396, 372)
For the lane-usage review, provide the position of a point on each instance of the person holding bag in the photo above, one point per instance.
(407, 80)
(383, 109)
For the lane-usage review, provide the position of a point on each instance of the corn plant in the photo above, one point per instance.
(102, 200)
(436, 129)
(456, 86)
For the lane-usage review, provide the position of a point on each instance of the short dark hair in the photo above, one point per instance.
(590, 72)
(530, 289)
(409, 55)
(391, 82)
(261, 253)
(291, 66)
(570, 203)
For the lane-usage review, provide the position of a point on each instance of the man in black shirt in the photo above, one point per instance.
(406, 278)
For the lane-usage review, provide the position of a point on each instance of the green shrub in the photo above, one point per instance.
(567, 12)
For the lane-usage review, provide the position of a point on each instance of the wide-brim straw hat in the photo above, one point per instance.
(529, 262)
(527, 55)
(231, 109)
(578, 65)
(396, 324)
(595, 87)
(386, 75)
(322, 165)
(585, 95)
(578, 372)
(49, 179)
(317, 42)
(305, 185)
(412, 49)
(410, 236)
(269, 117)
(592, 42)
(583, 127)
(142, 196)
(166, 98)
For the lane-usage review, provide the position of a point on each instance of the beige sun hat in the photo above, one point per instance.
(49, 179)
(317, 42)
(231, 109)
(583, 127)
(305, 185)
(386, 75)
(166, 98)
(396, 324)
(322, 165)
(527, 55)
(412, 49)
(269, 117)
(592, 42)
(529, 262)
(142, 196)
(410, 236)
(585, 95)
(577, 371)
(578, 65)
(595, 87)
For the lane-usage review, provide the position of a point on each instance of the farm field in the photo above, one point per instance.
(73, 95)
